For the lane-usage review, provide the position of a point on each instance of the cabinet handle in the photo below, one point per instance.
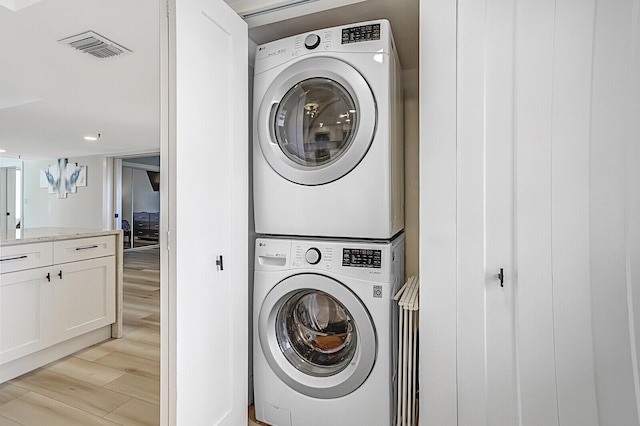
(86, 247)
(60, 274)
(501, 277)
(48, 277)
(219, 264)
(14, 258)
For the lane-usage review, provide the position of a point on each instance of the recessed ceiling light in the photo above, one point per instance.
(92, 138)
(3, 150)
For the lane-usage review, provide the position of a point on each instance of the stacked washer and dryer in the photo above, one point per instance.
(329, 205)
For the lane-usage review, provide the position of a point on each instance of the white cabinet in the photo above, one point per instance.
(83, 297)
(25, 313)
(44, 307)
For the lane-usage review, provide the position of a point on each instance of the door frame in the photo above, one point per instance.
(115, 166)
(438, 212)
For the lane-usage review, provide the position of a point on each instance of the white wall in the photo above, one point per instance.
(84, 209)
(10, 162)
(410, 82)
(438, 262)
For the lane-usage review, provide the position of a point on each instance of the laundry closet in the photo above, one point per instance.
(515, 312)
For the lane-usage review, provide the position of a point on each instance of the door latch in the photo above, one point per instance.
(219, 264)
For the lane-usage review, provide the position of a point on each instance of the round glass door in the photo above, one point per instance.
(316, 121)
(316, 333)
(317, 336)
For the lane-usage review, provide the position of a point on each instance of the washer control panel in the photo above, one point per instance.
(367, 260)
(361, 258)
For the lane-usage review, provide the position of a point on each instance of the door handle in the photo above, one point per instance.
(271, 118)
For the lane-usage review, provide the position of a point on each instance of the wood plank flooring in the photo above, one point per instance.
(116, 382)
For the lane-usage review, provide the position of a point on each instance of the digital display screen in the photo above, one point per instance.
(361, 33)
(362, 258)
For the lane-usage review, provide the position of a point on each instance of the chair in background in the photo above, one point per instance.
(126, 231)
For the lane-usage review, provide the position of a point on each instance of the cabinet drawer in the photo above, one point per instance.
(84, 248)
(141, 216)
(25, 256)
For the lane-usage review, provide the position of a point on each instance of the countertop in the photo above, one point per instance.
(32, 235)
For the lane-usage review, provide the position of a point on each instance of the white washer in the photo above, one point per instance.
(325, 331)
(328, 134)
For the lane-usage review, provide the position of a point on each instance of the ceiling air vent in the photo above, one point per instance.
(95, 45)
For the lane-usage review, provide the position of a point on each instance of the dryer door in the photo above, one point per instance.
(317, 336)
(316, 121)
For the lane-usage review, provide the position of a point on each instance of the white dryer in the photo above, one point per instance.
(325, 331)
(328, 134)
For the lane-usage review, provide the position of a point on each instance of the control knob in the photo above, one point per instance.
(312, 41)
(313, 256)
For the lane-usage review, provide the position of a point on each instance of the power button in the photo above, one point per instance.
(312, 41)
(312, 256)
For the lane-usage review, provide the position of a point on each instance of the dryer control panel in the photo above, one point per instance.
(361, 33)
(365, 37)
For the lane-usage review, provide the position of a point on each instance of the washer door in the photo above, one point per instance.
(317, 336)
(316, 121)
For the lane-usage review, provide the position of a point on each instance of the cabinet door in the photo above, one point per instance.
(25, 312)
(84, 296)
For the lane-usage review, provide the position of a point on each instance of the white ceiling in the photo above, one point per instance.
(51, 95)
(78, 94)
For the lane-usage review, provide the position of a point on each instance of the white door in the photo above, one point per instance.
(7, 198)
(547, 186)
(487, 375)
(205, 159)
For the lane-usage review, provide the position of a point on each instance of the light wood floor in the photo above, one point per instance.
(116, 382)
